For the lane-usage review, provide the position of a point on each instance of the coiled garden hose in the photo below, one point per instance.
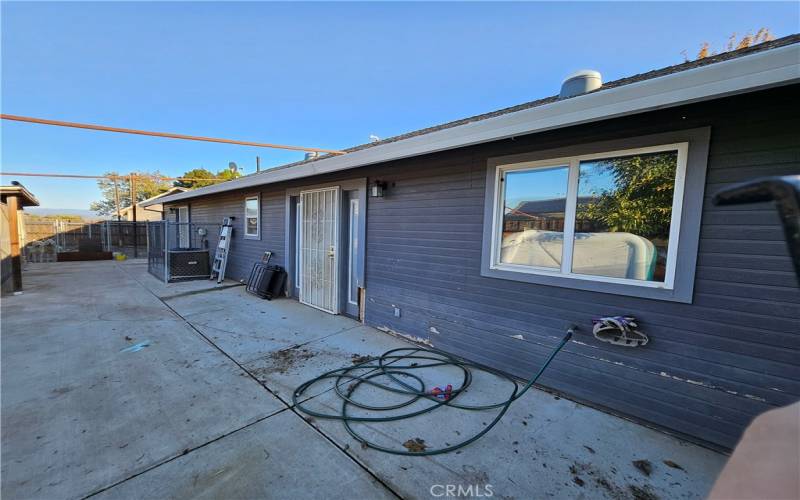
(398, 364)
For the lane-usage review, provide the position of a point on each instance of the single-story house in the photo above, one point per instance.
(420, 235)
(13, 199)
(149, 209)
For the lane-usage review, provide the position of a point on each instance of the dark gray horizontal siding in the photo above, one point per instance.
(244, 252)
(711, 365)
(509, 316)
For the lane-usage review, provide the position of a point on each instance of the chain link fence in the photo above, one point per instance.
(181, 250)
(43, 240)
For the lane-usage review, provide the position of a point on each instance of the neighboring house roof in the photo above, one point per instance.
(766, 65)
(528, 209)
(17, 189)
(155, 199)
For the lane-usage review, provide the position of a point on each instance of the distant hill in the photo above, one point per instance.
(85, 214)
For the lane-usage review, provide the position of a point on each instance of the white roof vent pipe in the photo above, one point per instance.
(312, 155)
(580, 82)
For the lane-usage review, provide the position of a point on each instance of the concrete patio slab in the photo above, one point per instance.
(543, 446)
(81, 290)
(280, 457)
(282, 371)
(80, 412)
(137, 269)
(249, 328)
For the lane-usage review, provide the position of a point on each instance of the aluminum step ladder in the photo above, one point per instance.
(223, 246)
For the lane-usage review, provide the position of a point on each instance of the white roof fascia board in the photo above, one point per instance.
(166, 193)
(149, 201)
(774, 67)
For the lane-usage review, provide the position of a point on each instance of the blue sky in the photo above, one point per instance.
(534, 185)
(312, 74)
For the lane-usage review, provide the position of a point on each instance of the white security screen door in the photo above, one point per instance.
(319, 243)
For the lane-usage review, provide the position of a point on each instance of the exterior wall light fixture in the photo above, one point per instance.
(377, 189)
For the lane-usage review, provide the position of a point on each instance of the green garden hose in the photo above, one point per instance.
(398, 364)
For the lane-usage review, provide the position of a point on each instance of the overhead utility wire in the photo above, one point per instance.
(113, 177)
(168, 135)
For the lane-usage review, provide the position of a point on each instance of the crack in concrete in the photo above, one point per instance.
(182, 453)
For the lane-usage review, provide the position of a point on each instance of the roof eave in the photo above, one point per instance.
(160, 196)
(749, 73)
(27, 198)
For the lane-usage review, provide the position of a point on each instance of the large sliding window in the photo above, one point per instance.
(611, 217)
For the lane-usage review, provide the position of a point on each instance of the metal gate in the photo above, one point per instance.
(319, 241)
(156, 249)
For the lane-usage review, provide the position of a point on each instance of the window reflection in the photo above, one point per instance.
(251, 216)
(533, 217)
(623, 216)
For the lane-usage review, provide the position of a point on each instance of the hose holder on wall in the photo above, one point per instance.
(619, 330)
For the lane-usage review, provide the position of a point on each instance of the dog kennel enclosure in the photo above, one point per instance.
(179, 251)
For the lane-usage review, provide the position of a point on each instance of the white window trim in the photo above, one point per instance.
(249, 236)
(573, 163)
